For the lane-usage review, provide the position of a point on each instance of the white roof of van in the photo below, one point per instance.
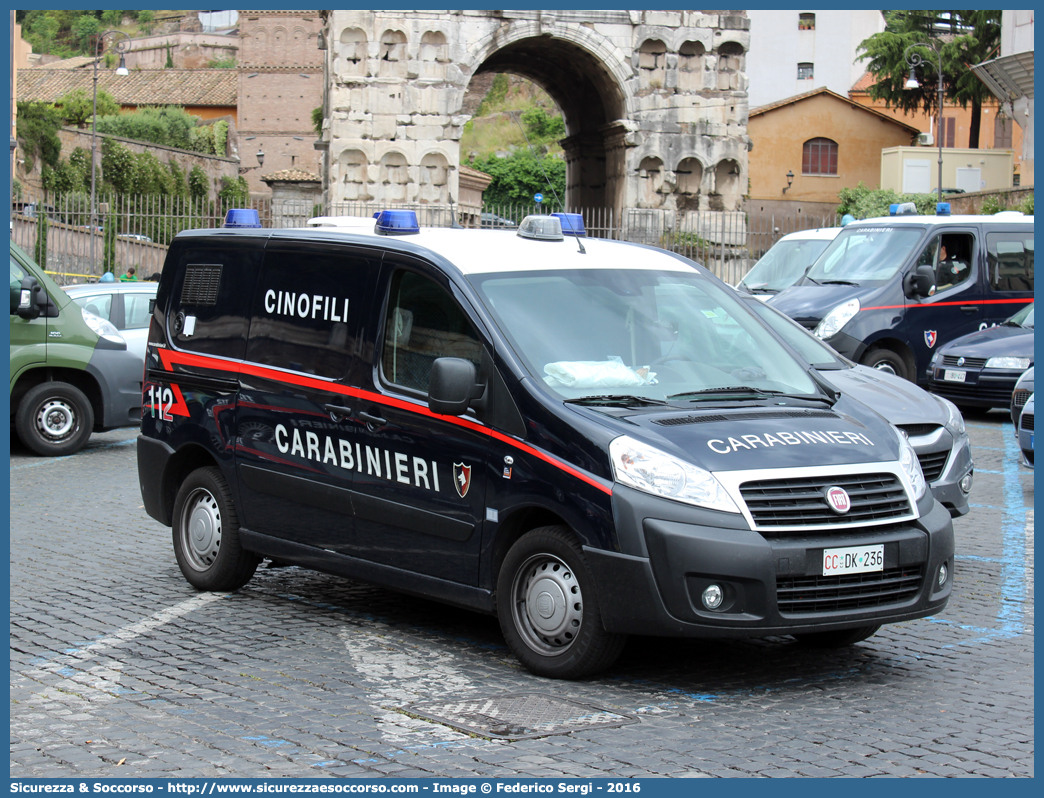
(826, 233)
(475, 251)
(1007, 218)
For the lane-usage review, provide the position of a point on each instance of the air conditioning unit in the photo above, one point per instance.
(925, 140)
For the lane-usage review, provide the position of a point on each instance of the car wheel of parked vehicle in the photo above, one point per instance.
(548, 609)
(838, 638)
(54, 418)
(206, 534)
(886, 360)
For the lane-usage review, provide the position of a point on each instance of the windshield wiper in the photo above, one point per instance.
(623, 400)
(838, 282)
(712, 393)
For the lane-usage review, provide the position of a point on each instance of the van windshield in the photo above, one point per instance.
(865, 254)
(640, 333)
(783, 265)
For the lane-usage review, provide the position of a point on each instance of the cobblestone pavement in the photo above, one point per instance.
(120, 669)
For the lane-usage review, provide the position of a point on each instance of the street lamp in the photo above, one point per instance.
(120, 70)
(915, 59)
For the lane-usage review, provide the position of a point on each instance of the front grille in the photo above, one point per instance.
(980, 394)
(916, 430)
(801, 502)
(1027, 421)
(932, 464)
(969, 362)
(809, 594)
(1019, 397)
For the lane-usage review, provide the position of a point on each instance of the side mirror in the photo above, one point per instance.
(920, 282)
(452, 386)
(29, 298)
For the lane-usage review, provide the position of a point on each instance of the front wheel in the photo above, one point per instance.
(838, 638)
(206, 534)
(548, 607)
(54, 419)
(887, 361)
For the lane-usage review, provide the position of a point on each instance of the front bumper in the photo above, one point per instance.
(772, 585)
(981, 387)
(944, 482)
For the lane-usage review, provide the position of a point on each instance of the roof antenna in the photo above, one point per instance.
(515, 115)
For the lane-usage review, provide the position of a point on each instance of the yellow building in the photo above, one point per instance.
(808, 147)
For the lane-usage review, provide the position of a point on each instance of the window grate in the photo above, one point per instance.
(202, 281)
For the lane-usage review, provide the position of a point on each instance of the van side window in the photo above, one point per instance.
(304, 309)
(1010, 261)
(955, 258)
(423, 322)
(211, 296)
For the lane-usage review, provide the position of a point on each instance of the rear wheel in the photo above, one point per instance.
(888, 361)
(838, 638)
(206, 534)
(54, 418)
(548, 607)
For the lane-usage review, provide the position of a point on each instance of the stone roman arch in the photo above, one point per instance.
(643, 93)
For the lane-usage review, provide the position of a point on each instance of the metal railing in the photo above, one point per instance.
(135, 230)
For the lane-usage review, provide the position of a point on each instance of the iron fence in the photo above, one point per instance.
(136, 230)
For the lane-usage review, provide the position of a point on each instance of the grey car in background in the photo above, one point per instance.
(933, 424)
(126, 305)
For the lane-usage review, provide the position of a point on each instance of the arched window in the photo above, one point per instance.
(806, 21)
(819, 157)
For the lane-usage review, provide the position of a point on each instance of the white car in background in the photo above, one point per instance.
(126, 305)
(786, 261)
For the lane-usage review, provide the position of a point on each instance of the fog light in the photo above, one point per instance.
(712, 597)
(943, 573)
(966, 482)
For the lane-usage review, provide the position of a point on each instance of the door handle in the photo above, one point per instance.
(338, 412)
(375, 420)
(969, 308)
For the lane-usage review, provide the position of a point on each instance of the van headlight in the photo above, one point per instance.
(911, 465)
(103, 327)
(954, 421)
(650, 470)
(836, 319)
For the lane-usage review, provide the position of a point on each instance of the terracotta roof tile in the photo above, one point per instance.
(76, 62)
(295, 175)
(214, 87)
(864, 83)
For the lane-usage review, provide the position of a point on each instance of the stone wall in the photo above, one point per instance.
(655, 102)
(1008, 198)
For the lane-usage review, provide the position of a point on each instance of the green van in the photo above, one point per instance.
(71, 373)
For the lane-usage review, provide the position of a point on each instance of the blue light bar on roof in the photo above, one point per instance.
(397, 223)
(242, 217)
(572, 224)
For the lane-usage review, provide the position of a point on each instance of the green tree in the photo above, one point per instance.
(37, 133)
(112, 18)
(77, 106)
(85, 29)
(43, 33)
(198, 184)
(146, 21)
(170, 59)
(521, 175)
(964, 38)
(234, 193)
(868, 203)
(167, 125)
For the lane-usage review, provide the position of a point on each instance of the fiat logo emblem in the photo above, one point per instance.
(838, 500)
(960, 361)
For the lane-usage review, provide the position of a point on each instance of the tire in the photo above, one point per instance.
(54, 419)
(888, 361)
(837, 639)
(564, 638)
(206, 534)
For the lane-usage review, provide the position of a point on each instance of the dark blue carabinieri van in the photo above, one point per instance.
(586, 438)
(888, 292)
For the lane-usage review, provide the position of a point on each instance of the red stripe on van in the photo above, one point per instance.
(171, 357)
(941, 304)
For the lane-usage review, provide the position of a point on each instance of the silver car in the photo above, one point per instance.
(126, 305)
(933, 424)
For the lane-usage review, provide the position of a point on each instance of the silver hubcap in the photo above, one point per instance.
(886, 367)
(56, 419)
(548, 606)
(201, 530)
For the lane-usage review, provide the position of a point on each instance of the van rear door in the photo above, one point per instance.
(1009, 286)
